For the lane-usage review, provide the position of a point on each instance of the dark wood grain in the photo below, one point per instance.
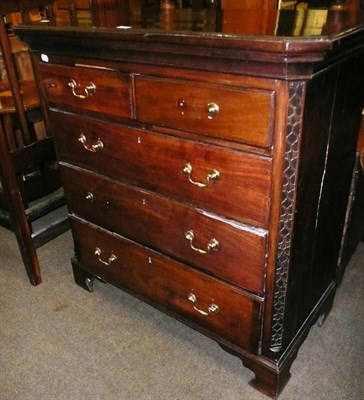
(161, 224)
(244, 115)
(156, 162)
(284, 145)
(111, 95)
(169, 283)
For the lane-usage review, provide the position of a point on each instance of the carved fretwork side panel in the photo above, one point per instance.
(293, 136)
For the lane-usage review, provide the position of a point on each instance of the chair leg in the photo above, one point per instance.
(17, 210)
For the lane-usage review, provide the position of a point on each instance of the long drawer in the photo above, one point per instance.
(231, 251)
(238, 114)
(219, 308)
(90, 89)
(230, 183)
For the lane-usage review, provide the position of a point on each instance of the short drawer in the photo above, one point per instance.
(228, 250)
(201, 300)
(101, 91)
(192, 172)
(241, 115)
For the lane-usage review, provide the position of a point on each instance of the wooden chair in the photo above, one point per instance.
(29, 180)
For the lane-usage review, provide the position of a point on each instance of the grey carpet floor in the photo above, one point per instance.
(58, 341)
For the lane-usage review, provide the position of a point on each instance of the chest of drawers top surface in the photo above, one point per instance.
(259, 42)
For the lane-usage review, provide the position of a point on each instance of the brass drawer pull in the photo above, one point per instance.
(89, 89)
(111, 259)
(212, 175)
(212, 110)
(93, 147)
(89, 197)
(212, 309)
(213, 244)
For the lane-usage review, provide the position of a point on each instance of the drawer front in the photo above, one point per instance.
(239, 115)
(101, 91)
(216, 307)
(179, 168)
(229, 251)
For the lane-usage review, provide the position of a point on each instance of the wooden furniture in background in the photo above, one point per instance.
(30, 185)
(110, 13)
(72, 12)
(209, 174)
(248, 4)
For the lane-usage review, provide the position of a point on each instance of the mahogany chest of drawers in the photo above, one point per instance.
(208, 174)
